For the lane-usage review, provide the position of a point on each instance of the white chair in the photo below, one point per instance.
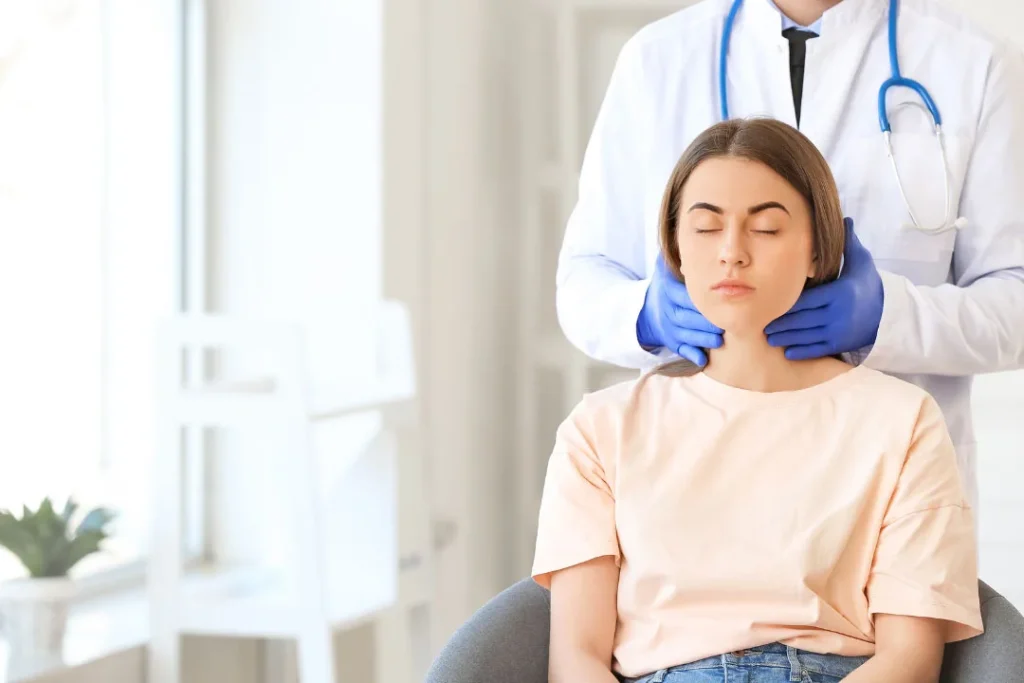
(283, 404)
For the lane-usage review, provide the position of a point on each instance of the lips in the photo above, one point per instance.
(732, 288)
(732, 284)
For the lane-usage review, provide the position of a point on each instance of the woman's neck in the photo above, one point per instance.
(749, 362)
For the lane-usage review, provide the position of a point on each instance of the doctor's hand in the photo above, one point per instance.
(669, 319)
(836, 317)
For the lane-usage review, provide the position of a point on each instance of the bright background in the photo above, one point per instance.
(303, 159)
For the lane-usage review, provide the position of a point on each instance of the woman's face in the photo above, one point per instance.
(745, 243)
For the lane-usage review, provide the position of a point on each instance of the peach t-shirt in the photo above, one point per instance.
(741, 518)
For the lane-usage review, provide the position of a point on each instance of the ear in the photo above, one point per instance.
(812, 269)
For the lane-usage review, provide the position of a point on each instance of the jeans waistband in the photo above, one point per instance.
(774, 655)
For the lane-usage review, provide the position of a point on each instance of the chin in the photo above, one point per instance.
(739, 324)
(745, 317)
(737, 319)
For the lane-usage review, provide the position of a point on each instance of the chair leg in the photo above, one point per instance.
(315, 641)
(164, 578)
(316, 654)
(163, 658)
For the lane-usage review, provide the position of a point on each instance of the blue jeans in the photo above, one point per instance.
(764, 664)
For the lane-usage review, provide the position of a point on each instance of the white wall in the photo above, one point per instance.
(470, 308)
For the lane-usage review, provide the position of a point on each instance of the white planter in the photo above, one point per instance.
(34, 615)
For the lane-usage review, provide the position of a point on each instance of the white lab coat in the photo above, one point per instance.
(954, 302)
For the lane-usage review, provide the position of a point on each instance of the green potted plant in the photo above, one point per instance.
(49, 544)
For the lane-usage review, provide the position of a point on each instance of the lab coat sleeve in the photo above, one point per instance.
(602, 276)
(976, 323)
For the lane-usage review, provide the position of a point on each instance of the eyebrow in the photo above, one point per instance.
(757, 208)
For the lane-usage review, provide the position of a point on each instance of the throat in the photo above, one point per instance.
(754, 365)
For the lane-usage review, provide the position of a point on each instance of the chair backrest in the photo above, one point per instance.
(996, 656)
(280, 385)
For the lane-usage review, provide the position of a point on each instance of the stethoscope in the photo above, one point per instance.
(896, 79)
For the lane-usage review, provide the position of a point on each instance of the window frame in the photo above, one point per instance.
(191, 285)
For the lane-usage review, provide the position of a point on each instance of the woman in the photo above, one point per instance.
(765, 517)
(934, 308)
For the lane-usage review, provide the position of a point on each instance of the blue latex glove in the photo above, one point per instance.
(670, 320)
(836, 317)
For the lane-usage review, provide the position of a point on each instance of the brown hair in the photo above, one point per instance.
(788, 153)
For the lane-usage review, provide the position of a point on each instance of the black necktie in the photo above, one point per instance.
(797, 57)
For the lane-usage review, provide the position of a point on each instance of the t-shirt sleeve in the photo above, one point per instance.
(577, 510)
(926, 562)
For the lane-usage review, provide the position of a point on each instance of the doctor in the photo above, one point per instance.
(933, 284)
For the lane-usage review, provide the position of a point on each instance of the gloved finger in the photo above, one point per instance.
(798, 320)
(704, 340)
(809, 351)
(854, 253)
(816, 297)
(690, 319)
(816, 335)
(693, 354)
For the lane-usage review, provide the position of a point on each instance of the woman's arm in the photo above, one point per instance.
(907, 650)
(583, 618)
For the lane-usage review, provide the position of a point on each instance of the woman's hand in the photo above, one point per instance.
(907, 650)
(583, 618)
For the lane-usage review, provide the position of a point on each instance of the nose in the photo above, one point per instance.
(732, 250)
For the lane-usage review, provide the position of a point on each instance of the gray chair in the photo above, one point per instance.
(506, 641)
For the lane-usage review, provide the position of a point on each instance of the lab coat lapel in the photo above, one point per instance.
(837, 76)
(759, 65)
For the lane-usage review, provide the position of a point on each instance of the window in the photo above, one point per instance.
(90, 256)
